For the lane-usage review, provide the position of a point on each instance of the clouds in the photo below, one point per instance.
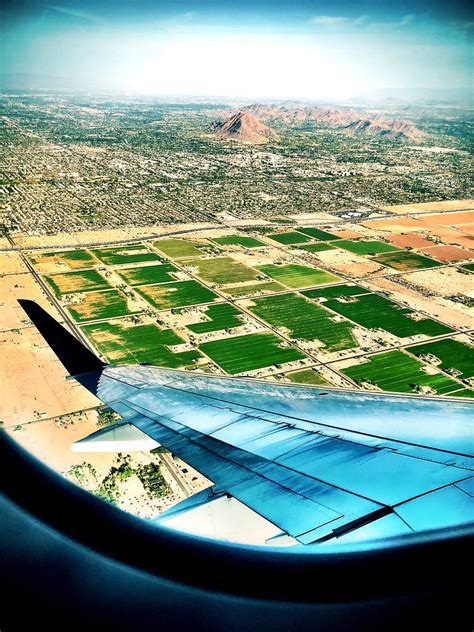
(337, 20)
(76, 13)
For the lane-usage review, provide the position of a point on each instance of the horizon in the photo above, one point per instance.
(302, 51)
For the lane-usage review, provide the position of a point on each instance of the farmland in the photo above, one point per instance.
(178, 248)
(453, 356)
(177, 294)
(221, 270)
(218, 317)
(336, 291)
(145, 275)
(306, 376)
(396, 371)
(98, 305)
(376, 312)
(319, 247)
(403, 260)
(70, 282)
(239, 240)
(289, 238)
(317, 233)
(304, 319)
(365, 247)
(72, 259)
(141, 343)
(296, 276)
(136, 253)
(240, 354)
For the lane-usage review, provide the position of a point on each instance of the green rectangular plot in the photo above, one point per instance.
(289, 238)
(468, 266)
(317, 233)
(336, 291)
(222, 270)
(464, 392)
(122, 344)
(404, 260)
(73, 259)
(240, 354)
(177, 294)
(71, 282)
(98, 305)
(133, 253)
(307, 376)
(239, 240)
(365, 248)
(220, 316)
(376, 312)
(454, 356)
(143, 275)
(177, 248)
(397, 372)
(304, 319)
(254, 288)
(320, 247)
(294, 276)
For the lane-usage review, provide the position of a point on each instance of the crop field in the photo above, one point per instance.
(289, 238)
(307, 376)
(144, 275)
(222, 270)
(464, 392)
(295, 276)
(254, 288)
(73, 259)
(304, 319)
(403, 260)
(452, 354)
(468, 266)
(247, 353)
(177, 294)
(336, 291)
(135, 253)
(220, 316)
(319, 247)
(365, 247)
(239, 240)
(98, 305)
(70, 282)
(376, 312)
(397, 372)
(177, 248)
(140, 343)
(317, 233)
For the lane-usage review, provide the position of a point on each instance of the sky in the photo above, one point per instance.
(311, 49)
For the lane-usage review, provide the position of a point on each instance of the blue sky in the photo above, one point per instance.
(274, 48)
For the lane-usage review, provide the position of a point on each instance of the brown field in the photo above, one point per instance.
(11, 263)
(449, 236)
(442, 281)
(47, 263)
(448, 253)
(451, 219)
(426, 207)
(414, 240)
(346, 234)
(17, 286)
(399, 225)
(347, 263)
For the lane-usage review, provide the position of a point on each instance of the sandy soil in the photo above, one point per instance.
(414, 240)
(343, 262)
(442, 281)
(451, 219)
(307, 217)
(448, 253)
(11, 263)
(399, 225)
(346, 234)
(449, 236)
(426, 207)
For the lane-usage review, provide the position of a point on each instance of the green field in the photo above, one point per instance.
(134, 253)
(177, 294)
(307, 376)
(319, 247)
(365, 247)
(316, 233)
(464, 392)
(395, 371)
(253, 288)
(222, 270)
(336, 291)
(140, 343)
(452, 354)
(294, 275)
(239, 240)
(70, 282)
(98, 305)
(289, 238)
(376, 312)
(176, 248)
(73, 259)
(221, 316)
(143, 275)
(247, 353)
(468, 266)
(403, 260)
(304, 319)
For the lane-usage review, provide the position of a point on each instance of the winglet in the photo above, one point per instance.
(75, 357)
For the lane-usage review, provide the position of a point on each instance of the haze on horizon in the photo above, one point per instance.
(255, 48)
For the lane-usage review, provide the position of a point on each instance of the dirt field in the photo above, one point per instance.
(399, 225)
(451, 219)
(449, 236)
(346, 263)
(414, 240)
(12, 288)
(442, 281)
(11, 263)
(448, 253)
(427, 207)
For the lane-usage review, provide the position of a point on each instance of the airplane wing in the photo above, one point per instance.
(321, 464)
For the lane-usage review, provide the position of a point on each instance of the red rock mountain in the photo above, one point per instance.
(349, 120)
(245, 128)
